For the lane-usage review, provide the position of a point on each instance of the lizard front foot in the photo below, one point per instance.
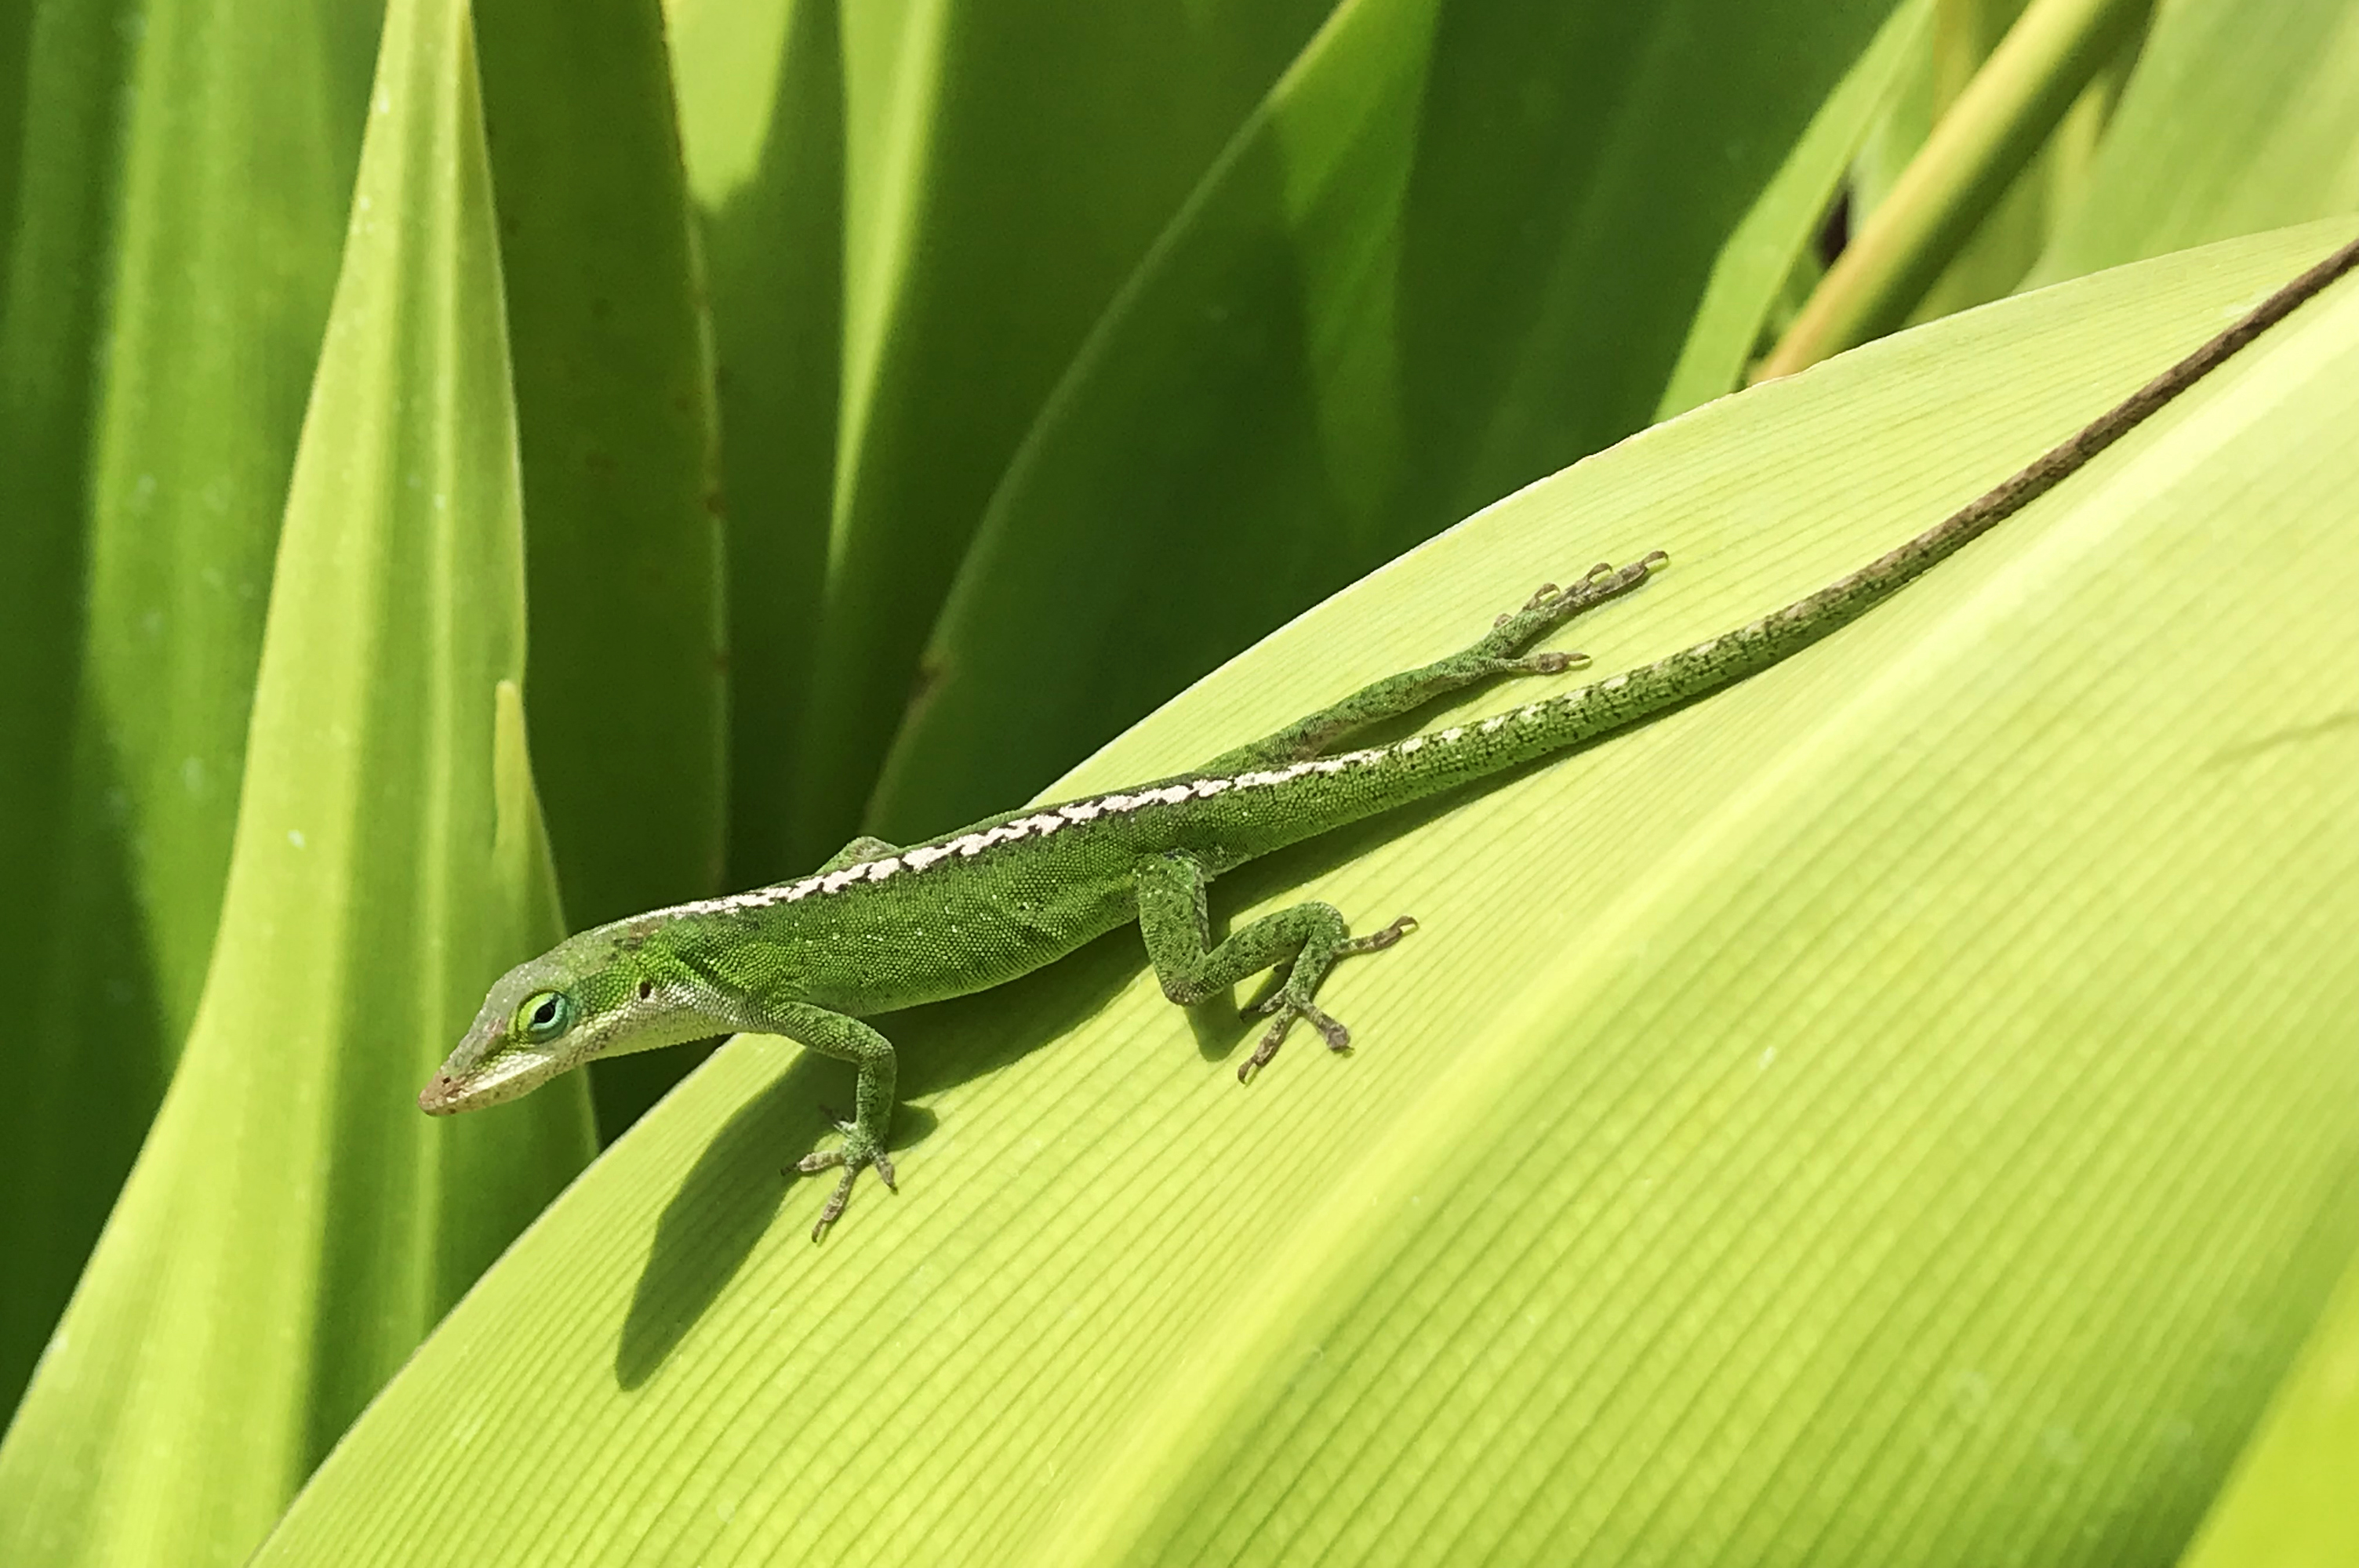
(859, 1150)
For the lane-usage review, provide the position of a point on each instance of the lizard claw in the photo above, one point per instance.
(1338, 1038)
(1286, 1003)
(859, 1151)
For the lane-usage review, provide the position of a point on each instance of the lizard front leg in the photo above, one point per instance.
(847, 1040)
(1307, 939)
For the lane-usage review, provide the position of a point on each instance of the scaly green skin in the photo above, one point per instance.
(880, 928)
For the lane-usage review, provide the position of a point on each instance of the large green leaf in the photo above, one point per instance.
(293, 1225)
(1898, 1110)
(613, 390)
(186, 167)
(1441, 259)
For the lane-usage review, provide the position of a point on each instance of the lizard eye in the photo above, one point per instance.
(544, 1016)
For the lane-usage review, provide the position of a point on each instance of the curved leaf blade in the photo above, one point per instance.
(293, 1225)
(616, 431)
(2289, 1503)
(188, 172)
(1896, 1110)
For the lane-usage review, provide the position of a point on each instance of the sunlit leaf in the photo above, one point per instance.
(1897, 1110)
(1001, 172)
(2289, 1503)
(293, 1225)
(760, 88)
(181, 173)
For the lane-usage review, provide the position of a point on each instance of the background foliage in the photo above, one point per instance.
(882, 406)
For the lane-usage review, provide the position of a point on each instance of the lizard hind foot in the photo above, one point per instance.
(859, 1151)
(1289, 1001)
(1338, 1038)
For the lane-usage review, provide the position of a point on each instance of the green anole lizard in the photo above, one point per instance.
(880, 927)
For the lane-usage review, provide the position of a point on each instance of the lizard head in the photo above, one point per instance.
(597, 994)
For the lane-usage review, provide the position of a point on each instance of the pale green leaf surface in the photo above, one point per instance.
(1438, 262)
(2289, 1505)
(615, 421)
(1897, 1110)
(187, 170)
(293, 1226)
(2240, 118)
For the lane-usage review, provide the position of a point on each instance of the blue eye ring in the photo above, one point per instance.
(543, 1016)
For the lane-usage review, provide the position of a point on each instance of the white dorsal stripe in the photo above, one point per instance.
(974, 842)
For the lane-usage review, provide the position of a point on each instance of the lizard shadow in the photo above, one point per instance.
(731, 1198)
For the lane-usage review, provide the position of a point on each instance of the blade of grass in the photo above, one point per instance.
(293, 1225)
(1895, 1110)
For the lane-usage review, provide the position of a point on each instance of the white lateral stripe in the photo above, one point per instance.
(968, 844)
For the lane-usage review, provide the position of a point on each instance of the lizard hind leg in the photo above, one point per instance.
(1303, 941)
(1504, 651)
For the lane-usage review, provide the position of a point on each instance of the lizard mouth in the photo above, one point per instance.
(440, 1095)
(505, 1077)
